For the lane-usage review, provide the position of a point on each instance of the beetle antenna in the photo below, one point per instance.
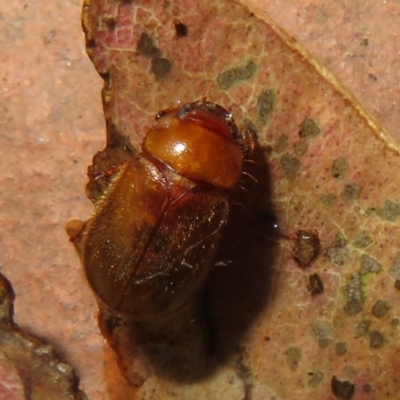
(250, 161)
(250, 176)
(244, 189)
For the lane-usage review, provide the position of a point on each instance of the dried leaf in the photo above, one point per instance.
(332, 173)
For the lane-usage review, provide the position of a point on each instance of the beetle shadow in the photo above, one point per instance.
(240, 289)
(211, 333)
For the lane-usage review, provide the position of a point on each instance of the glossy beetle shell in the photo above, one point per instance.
(151, 241)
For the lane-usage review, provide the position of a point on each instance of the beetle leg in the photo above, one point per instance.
(75, 229)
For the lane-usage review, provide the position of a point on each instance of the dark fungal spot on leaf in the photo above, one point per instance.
(354, 293)
(124, 1)
(290, 166)
(390, 211)
(110, 23)
(265, 105)
(367, 388)
(315, 379)
(293, 355)
(329, 199)
(369, 265)
(90, 44)
(380, 309)
(351, 192)
(160, 67)
(362, 328)
(340, 167)
(340, 348)
(181, 29)
(229, 77)
(146, 46)
(363, 240)
(50, 37)
(323, 343)
(376, 340)
(315, 285)
(309, 128)
(281, 143)
(397, 284)
(320, 331)
(364, 42)
(342, 389)
(300, 147)
(307, 247)
(394, 322)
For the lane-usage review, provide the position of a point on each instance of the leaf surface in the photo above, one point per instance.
(331, 172)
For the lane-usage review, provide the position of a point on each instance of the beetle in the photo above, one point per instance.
(151, 241)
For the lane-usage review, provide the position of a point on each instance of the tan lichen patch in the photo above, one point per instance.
(321, 332)
(376, 340)
(338, 254)
(380, 309)
(280, 144)
(363, 240)
(146, 46)
(369, 265)
(329, 199)
(265, 105)
(362, 328)
(351, 192)
(309, 128)
(394, 271)
(390, 210)
(300, 147)
(315, 379)
(354, 294)
(290, 165)
(340, 348)
(233, 75)
(339, 168)
(293, 355)
(160, 67)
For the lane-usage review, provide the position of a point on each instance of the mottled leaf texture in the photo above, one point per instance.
(331, 172)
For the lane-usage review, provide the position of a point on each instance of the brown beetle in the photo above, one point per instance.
(151, 241)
